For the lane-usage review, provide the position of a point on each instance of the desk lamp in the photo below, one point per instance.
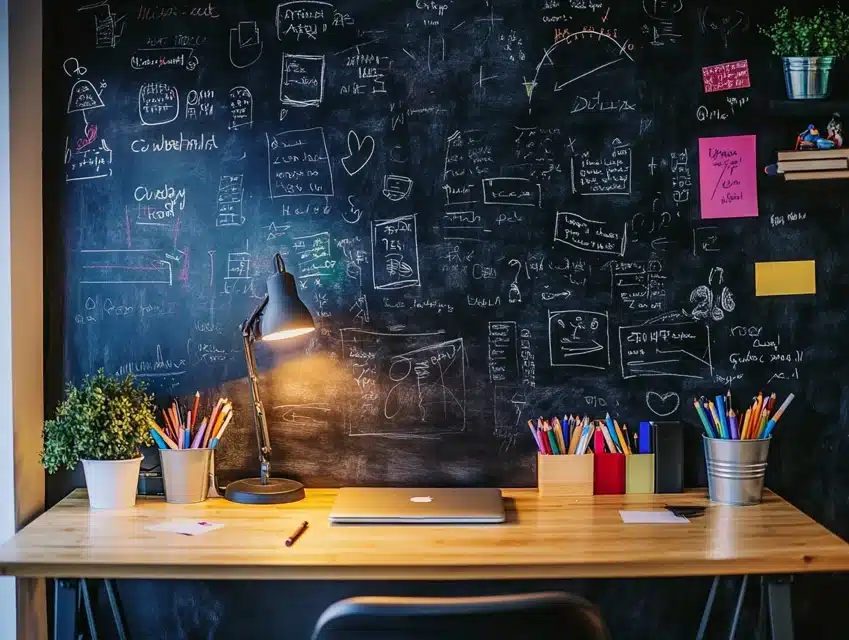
(280, 315)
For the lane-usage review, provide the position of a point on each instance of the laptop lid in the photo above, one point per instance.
(417, 506)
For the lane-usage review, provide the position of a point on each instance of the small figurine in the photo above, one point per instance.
(810, 139)
(834, 129)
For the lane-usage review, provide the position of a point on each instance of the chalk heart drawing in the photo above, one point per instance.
(359, 153)
(663, 404)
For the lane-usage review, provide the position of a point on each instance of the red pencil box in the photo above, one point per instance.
(609, 473)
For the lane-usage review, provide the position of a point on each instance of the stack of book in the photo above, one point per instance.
(814, 165)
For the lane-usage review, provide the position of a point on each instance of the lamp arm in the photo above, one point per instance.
(262, 440)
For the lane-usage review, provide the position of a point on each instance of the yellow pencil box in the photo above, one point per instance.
(564, 476)
(639, 473)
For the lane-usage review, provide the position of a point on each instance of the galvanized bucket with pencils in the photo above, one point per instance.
(736, 469)
(736, 450)
(185, 474)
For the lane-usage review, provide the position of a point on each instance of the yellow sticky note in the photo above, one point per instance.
(797, 278)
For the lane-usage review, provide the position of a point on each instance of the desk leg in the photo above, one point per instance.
(89, 610)
(116, 611)
(780, 607)
(66, 603)
(708, 607)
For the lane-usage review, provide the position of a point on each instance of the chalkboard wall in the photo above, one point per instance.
(492, 209)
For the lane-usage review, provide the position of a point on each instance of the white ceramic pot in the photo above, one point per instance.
(112, 484)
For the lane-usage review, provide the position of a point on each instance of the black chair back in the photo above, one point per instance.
(532, 616)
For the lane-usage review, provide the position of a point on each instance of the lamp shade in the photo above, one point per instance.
(285, 316)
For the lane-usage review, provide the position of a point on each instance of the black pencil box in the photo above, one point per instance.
(668, 441)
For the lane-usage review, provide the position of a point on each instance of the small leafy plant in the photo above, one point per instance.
(103, 419)
(826, 33)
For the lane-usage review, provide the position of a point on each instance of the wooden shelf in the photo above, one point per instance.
(810, 107)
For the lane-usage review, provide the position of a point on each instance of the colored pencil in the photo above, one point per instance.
(195, 408)
(171, 444)
(771, 424)
(623, 444)
(212, 418)
(220, 434)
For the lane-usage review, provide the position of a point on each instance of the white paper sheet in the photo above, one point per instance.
(651, 517)
(185, 527)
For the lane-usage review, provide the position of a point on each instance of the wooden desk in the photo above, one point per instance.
(551, 538)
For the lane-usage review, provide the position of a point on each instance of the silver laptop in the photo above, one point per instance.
(417, 506)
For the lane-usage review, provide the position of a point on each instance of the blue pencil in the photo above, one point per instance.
(704, 419)
(720, 409)
(159, 441)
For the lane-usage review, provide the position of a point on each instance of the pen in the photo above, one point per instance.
(298, 533)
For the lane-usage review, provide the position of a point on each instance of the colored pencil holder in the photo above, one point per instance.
(609, 471)
(736, 470)
(185, 474)
(565, 476)
(639, 473)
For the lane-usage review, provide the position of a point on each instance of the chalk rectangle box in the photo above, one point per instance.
(565, 476)
(639, 473)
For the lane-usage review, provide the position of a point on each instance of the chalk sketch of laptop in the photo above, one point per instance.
(417, 506)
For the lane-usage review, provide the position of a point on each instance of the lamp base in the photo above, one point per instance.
(252, 491)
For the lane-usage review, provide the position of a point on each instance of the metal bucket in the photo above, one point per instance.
(808, 78)
(736, 470)
(185, 474)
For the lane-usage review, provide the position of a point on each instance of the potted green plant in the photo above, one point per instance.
(809, 46)
(102, 423)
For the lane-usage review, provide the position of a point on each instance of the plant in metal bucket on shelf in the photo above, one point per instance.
(809, 46)
(103, 422)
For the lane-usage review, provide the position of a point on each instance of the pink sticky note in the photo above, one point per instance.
(728, 177)
(726, 76)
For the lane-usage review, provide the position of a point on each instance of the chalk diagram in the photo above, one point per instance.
(108, 27)
(360, 151)
(663, 404)
(241, 105)
(577, 56)
(245, 45)
(579, 339)
(407, 385)
(127, 266)
(84, 159)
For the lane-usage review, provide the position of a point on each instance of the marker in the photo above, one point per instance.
(298, 533)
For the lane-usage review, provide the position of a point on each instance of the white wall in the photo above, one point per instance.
(7, 441)
(22, 603)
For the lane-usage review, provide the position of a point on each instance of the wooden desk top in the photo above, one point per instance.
(543, 538)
